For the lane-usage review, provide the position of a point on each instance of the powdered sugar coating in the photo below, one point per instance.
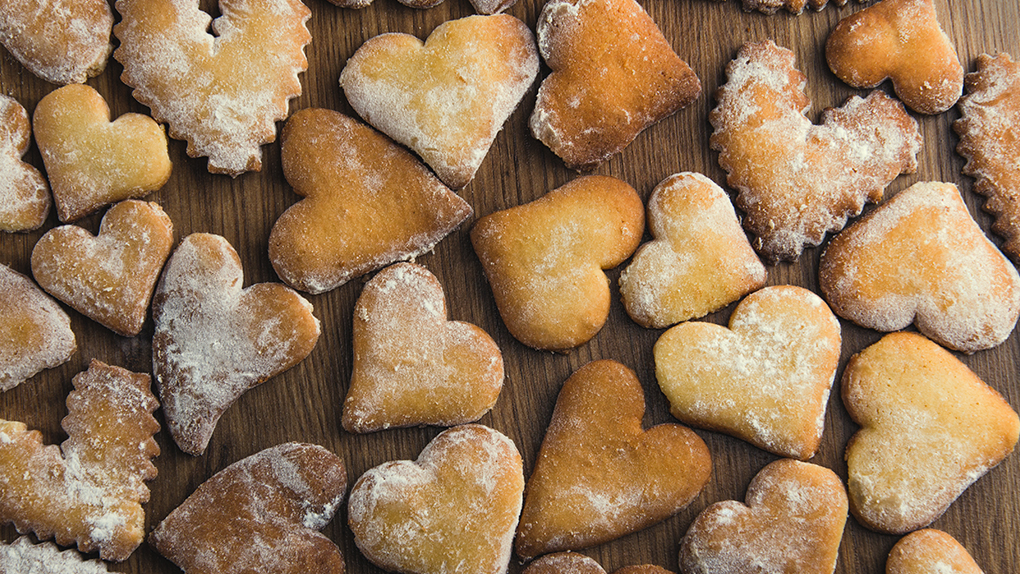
(564, 563)
(24, 193)
(23, 557)
(930, 551)
(61, 41)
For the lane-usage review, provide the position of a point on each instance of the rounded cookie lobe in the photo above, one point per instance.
(61, 41)
(24, 193)
(927, 551)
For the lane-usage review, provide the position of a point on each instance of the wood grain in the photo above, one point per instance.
(304, 403)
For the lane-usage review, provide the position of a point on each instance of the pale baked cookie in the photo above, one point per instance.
(368, 203)
(213, 340)
(90, 490)
(573, 563)
(260, 514)
(613, 75)
(544, 260)
(452, 511)
(698, 261)
(61, 41)
(791, 6)
(792, 522)
(920, 258)
(91, 161)
(899, 40)
(411, 365)
(23, 557)
(797, 181)
(930, 551)
(24, 193)
(989, 122)
(445, 98)
(599, 475)
(766, 379)
(35, 333)
(930, 428)
(219, 84)
(109, 278)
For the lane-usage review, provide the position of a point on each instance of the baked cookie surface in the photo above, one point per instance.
(24, 192)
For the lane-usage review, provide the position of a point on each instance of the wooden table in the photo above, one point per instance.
(304, 404)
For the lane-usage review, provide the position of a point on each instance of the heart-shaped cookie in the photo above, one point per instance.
(900, 40)
(92, 161)
(544, 260)
(108, 278)
(368, 203)
(453, 511)
(214, 341)
(698, 261)
(24, 193)
(448, 97)
(792, 522)
(599, 475)
(574, 563)
(23, 556)
(766, 379)
(930, 550)
(61, 41)
(219, 84)
(920, 258)
(411, 365)
(260, 514)
(930, 428)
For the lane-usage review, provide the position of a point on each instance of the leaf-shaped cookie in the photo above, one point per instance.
(24, 193)
(23, 557)
(368, 203)
(792, 522)
(411, 365)
(221, 85)
(260, 514)
(61, 41)
(599, 475)
(930, 428)
(214, 341)
(930, 550)
(766, 379)
(452, 511)
(797, 181)
(446, 98)
(90, 490)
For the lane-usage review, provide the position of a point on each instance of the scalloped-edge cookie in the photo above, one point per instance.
(24, 193)
(61, 41)
(929, 550)
(574, 563)
(797, 181)
(23, 557)
(260, 514)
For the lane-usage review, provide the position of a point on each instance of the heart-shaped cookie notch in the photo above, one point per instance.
(412, 366)
(453, 510)
(599, 475)
(765, 379)
(214, 340)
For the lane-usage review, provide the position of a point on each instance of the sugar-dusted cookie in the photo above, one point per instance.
(445, 98)
(988, 124)
(797, 181)
(899, 40)
(368, 203)
(613, 75)
(920, 258)
(213, 340)
(219, 84)
(61, 41)
(544, 260)
(791, 6)
(23, 557)
(260, 514)
(90, 490)
(92, 161)
(35, 333)
(792, 522)
(599, 475)
(930, 428)
(766, 379)
(930, 551)
(24, 193)
(698, 261)
(109, 278)
(411, 365)
(573, 563)
(452, 511)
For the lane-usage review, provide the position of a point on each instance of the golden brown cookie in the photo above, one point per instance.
(792, 522)
(930, 428)
(90, 490)
(21, 556)
(24, 193)
(481, 6)
(613, 75)
(573, 563)
(260, 514)
(544, 260)
(368, 203)
(791, 6)
(599, 475)
(61, 41)
(920, 258)
(796, 181)
(412, 366)
(452, 511)
(930, 551)
(213, 340)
